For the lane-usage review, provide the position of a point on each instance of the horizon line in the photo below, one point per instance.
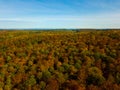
(59, 28)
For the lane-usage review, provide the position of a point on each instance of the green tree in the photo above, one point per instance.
(30, 81)
(95, 76)
(46, 75)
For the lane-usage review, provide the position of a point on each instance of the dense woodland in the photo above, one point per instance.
(60, 60)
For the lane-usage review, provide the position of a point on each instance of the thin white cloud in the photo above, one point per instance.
(97, 17)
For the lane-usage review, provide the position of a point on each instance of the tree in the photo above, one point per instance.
(46, 75)
(95, 76)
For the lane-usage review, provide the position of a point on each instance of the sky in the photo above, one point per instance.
(48, 14)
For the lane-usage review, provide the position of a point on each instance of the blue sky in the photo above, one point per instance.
(59, 14)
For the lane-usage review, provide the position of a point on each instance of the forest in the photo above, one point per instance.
(60, 60)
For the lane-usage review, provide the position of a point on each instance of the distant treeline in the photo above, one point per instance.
(57, 29)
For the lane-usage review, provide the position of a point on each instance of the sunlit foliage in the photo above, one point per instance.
(60, 60)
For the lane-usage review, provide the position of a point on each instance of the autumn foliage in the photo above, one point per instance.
(60, 60)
